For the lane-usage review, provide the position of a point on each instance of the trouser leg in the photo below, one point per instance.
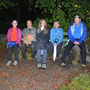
(23, 50)
(50, 49)
(83, 52)
(33, 49)
(38, 56)
(44, 56)
(67, 51)
(9, 53)
(59, 48)
(16, 51)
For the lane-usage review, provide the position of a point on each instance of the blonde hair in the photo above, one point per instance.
(15, 21)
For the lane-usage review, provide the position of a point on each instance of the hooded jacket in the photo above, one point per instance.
(83, 33)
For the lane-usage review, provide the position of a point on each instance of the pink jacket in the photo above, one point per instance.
(19, 36)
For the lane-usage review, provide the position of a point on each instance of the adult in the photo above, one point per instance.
(42, 38)
(14, 37)
(77, 34)
(56, 37)
(29, 40)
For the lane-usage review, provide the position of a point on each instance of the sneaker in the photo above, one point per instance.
(83, 66)
(15, 63)
(63, 64)
(44, 66)
(39, 65)
(8, 63)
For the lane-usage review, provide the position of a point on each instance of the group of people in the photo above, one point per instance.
(42, 39)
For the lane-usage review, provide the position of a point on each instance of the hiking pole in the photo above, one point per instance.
(55, 50)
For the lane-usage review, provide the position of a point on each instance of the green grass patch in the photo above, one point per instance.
(82, 82)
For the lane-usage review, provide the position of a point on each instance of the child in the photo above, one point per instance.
(14, 37)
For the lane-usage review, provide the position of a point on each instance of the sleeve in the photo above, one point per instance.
(70, 35)
(61, 37)
(8, 36)
(24, 33)
(84, 35)
(37, 36)
(34, 33)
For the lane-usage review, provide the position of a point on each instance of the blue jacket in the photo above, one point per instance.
(83, 33)
(56, 35)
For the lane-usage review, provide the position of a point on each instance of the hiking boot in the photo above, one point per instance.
(8, 63)
(63, 64)
(39, 65)
(15, 63)
(44, 66)
(83, 66)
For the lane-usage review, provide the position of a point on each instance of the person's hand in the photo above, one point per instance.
(76, 43)
(29, 36)
(55, 45)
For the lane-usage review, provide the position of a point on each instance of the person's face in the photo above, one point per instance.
(14, 23)
(29, 24)
(56, 25)
(43, 23)
(77, 21)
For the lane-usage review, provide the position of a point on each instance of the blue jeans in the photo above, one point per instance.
(39, 56)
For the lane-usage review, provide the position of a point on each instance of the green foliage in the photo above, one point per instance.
(35, 23)
(5, 4)
(81, 82)
(65, 12)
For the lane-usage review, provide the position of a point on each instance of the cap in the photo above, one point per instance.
(77, 16)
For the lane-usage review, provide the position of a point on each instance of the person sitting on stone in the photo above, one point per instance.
(77, 34)
(28, 40)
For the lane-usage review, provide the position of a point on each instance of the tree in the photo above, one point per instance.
(5, 4)
(63, 11)
(51, 12)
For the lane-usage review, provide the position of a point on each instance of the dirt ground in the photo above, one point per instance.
(26, 75)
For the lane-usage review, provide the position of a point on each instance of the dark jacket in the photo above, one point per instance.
(42, 39)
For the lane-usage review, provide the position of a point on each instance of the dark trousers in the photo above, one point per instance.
(51, 48)
(15, 48)
(23, 49)
(69, 47)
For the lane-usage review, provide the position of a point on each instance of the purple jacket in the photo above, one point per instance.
(19, 36)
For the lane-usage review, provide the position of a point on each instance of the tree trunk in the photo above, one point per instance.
(18, 10)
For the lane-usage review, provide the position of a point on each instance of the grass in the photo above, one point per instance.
(82, 82)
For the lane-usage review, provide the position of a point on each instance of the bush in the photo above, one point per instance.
(82, 82)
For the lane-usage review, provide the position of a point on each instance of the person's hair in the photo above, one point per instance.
(45, 28)
(15, 21)
(29, 21)
(56, 22)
